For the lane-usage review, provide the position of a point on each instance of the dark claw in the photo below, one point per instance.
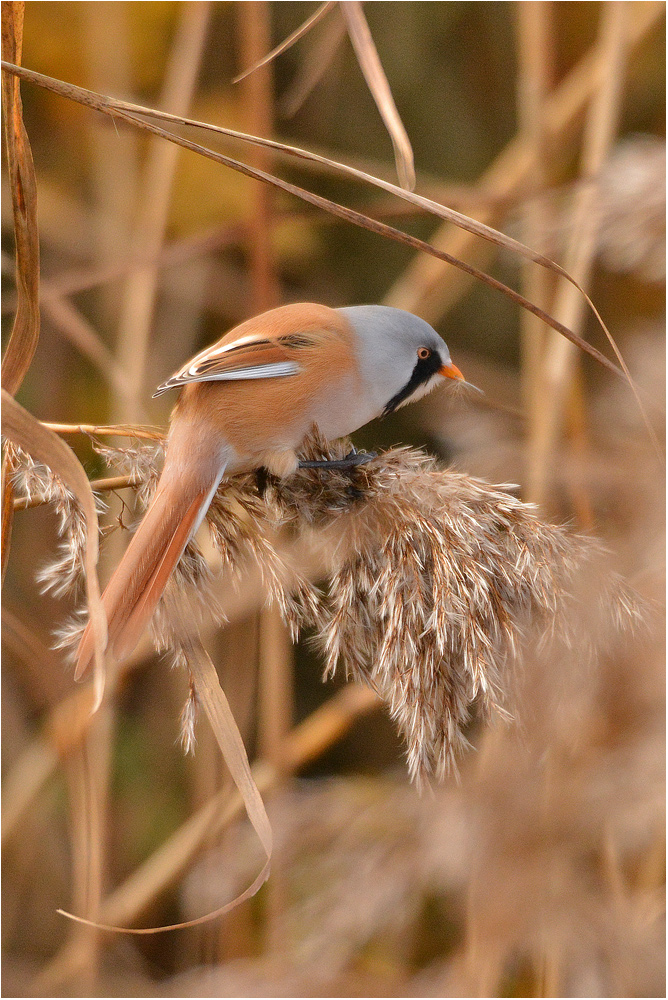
(352, 459)
(261, 480)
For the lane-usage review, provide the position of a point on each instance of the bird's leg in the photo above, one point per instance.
(351, 461)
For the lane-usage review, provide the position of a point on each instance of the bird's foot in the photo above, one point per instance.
(351, 461)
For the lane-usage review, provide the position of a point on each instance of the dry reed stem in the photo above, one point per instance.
(535, 45)
(23, 188)
(557, 371)
(113, 176)
(114, 157)
(24, 782)
(134, 325)
(153, 201)
(254, 36)
(87, 775)
(273, 653)
(73, 325)
(429, 288)
(535, 71)
(97, 485)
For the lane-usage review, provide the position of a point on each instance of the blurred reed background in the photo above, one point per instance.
(539, 873)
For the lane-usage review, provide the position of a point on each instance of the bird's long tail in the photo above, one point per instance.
(132, 594)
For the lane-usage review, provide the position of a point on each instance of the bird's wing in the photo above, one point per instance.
(243, 358)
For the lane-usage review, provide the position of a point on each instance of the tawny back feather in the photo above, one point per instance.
(259, 416)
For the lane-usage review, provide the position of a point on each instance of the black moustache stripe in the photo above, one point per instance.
(425, 369)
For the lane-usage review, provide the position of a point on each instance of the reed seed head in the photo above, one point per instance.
(432, 582)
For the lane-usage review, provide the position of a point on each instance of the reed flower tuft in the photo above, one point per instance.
(189, 712)
(33, 481)
(431, 582)
(434, 582)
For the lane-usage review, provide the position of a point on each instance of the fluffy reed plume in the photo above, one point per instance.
(432, 580)
(632, 208)
(34, 482)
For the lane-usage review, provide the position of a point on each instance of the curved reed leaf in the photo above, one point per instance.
(23, 429)
(129, 113)
(23, 188)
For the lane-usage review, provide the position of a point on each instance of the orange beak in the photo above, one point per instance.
(451, 371)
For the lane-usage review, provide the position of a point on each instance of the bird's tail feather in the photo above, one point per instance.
(138, 582)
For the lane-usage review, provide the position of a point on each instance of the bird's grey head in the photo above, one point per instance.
(401, 357)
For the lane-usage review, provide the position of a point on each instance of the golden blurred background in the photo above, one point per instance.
(541, 871)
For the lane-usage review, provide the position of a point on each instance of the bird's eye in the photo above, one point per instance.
(424, 353)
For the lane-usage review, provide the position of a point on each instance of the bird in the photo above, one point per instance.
(248, 402)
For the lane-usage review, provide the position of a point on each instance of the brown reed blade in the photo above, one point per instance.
(288, 42)
(216, 706)
(257, 93)
(22, 429)
(128, 112)
(382, 229)
(370, 64)
(305, 743)
(23, 188)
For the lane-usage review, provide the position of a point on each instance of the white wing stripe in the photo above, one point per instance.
(274, 370)
(277, 369)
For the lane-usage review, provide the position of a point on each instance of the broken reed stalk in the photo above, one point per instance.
(435, 581)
